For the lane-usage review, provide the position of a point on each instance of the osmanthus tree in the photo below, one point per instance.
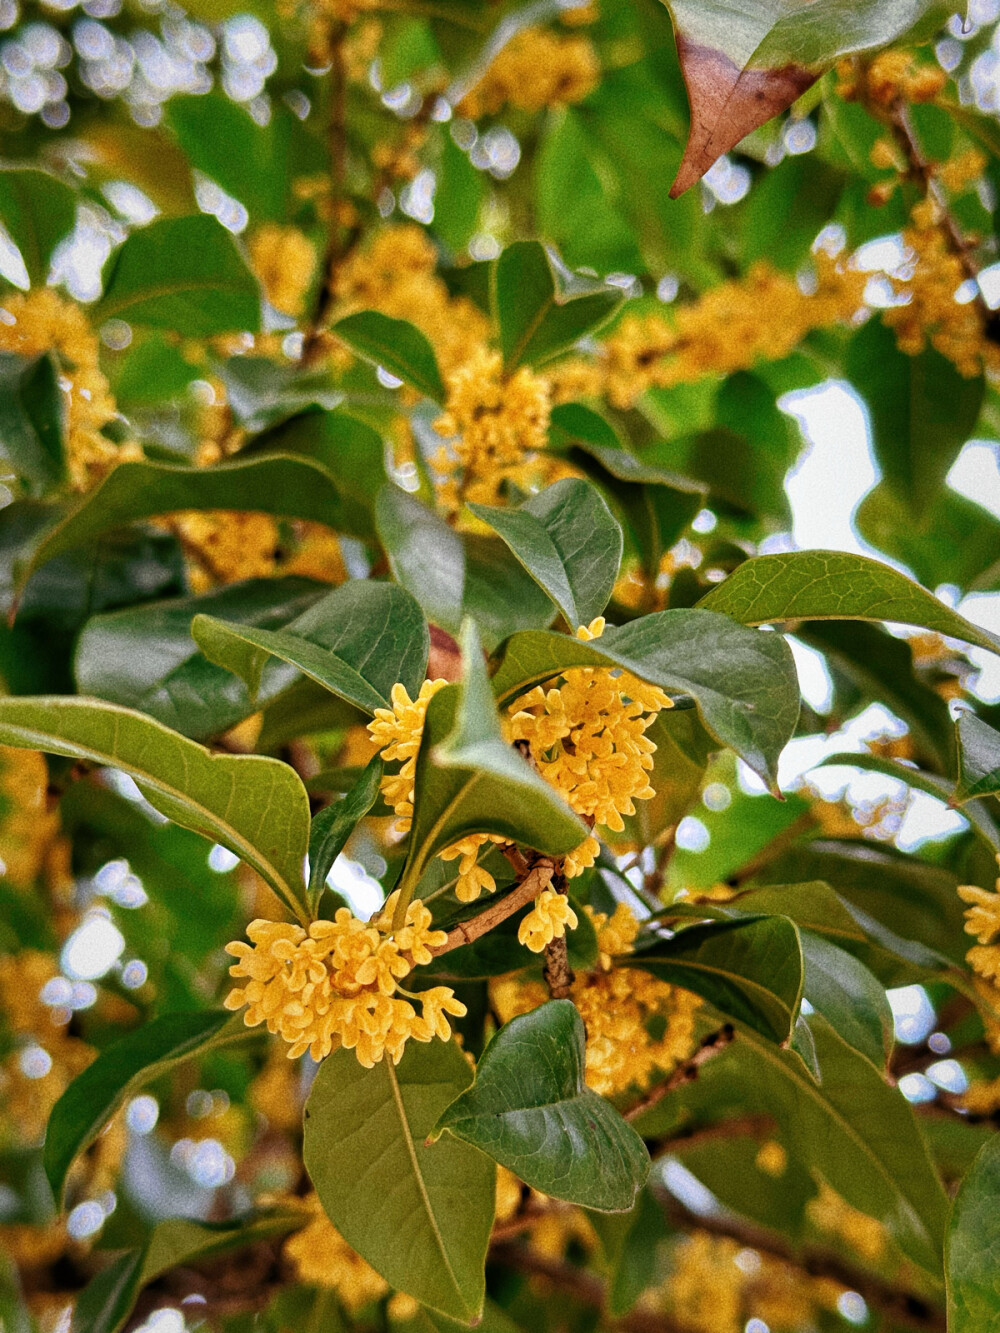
(402, 923)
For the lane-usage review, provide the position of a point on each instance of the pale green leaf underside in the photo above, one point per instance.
(972, 1264)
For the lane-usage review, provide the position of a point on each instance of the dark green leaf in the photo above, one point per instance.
(357, 642)
(31, 420)
(334, 825)
(832, 585)
(425, 554)
(751, 971)
(396, 345)
(255, 806)
(744, 683)
(427, 1234)
(542, 310)
(184, 274)
(120, 1070)
(849, 997)
(972, 1265)
(531, 1110)
(568, 541)
(978, 759)
(38, 211)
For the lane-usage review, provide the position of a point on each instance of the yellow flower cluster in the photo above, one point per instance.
(336, 984)
(891, 77)
(496, 424)
(621, 1009)
(397, 732)
(931, 313)
(397, 275)
(284, 261)
(40, 321)
(547, 921)
(534, 70)
(717, 1286)
(982, 919)
(27, 1100)
(27, 827)
(586, 737)
(224, 546)
(762, 316)
(829, 1212)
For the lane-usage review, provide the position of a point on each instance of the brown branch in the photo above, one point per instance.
(693, 1136)
(685, 1073)
(584, 1286)
(907, 1309)
(467, 932)
(558, 973)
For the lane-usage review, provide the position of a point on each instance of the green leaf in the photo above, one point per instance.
(255, 806)
(184, 274)
(366, 1129)
(396, 345)
(542, 308)
(106, 1302)
(845, 992)
(38, 210)
(334, 825)
(858, 1133)
(743, 682)
(144, 657)
(494, 1320)
(972, 1262)
(744, 64)
(357, 642)
(655, 506)
(630, 1243)
(276, 484)
(31, 420)
(751, 971)
(468, 780)
(831, 585)
(922, 412)
(531, 1110)
(121, 1069)
(568, 541)
(978, 759)
(425, 554)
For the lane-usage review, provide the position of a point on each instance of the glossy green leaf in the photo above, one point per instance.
(568, 541)
(751, 971)
(543, 308)
(144, 656)
(494, 1319)
(972, 1263)
(427, 1234)
(106, 1303)
(425, 554)
(978, 759)
(832, 585)
(275, 484)
(38, 210)
(922, 411)
(357, 642)
(468, 780)
(531, 1110)
(184, 274)
(255, 806)
(743, 682)
(31, 421)
(121, 1069)
(335, 823)
(396, 345)
(859, 1134)
(744, 64)
(849, 997)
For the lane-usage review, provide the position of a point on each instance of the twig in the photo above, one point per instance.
(904, 1308)
(467, 932)
(584, 1286)
(693, 1136)
(685, 1073)
(558, 973)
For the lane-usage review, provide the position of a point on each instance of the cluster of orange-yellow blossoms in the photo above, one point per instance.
(762, 316)
(335, 984)
(865, 1235)
(889, 78)
(40, 321)
(495, 424)
(982, 919)
(621, 1008)
(536, 69)
(284, 261)
(323, 1258)
(586, 736)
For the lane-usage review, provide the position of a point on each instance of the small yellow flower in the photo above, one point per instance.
(547, 921)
